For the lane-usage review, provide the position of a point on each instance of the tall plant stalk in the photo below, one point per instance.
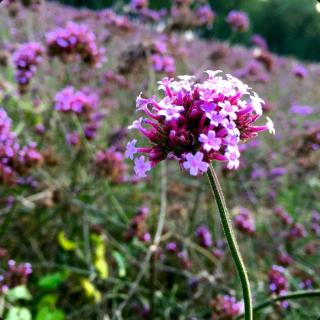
(232, 242)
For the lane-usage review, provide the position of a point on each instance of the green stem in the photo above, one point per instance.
(289, 296)
(232, 242)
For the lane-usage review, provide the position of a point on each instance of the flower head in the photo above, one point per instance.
(244, 221)
(82, 102)
(74, 41)
(139, 4)
(110, 164)
(278, 283)
(204, 236)
(198, 122)
(238, 20)
(26, 59)
(15, 160)
(225, 307)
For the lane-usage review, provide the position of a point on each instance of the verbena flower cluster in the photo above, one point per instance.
(244, 221)
(163, 63)
(139, 4)
(110, 163)
(238, 20)
(284, 259)
(196, 123)
(114, 21)
(15, 160)
(73, 42)
(81, 102)
(205, 15)
(278, 283)
(14, 275)
(26, 59)
(185, 15)
(225, 307)
(162, 60)
(315, 222)
(204, 236)
(84, 104)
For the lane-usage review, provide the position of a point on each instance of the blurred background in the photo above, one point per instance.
(79, 224)
(291, 27)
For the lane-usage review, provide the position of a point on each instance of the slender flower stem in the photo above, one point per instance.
(290, 296)
(232, 242)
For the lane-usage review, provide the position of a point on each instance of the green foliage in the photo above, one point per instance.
(18, 313)
(121, 262)
(47, 309)
(52, 281)
(18, 293)
(45, 313)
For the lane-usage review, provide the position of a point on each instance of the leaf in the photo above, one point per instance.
(45, 313)
(121, 262)
(65, 243)
(48, 300)
(18, 293)
(17, 313)
(100, 262)
(53, 280)
(102, 267)
(90, 290)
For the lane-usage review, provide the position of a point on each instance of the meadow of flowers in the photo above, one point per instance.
(111, 123)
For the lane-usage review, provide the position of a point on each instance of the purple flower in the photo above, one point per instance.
(279, 171)
(278, 283)
(232, 155)
(75, 41)
(301, 110)
(73, 138)
(284, 259)
(171, 112)
(14, 275)
(216, 118)
(171, 247)
(227, 109)
(110, 164)
(198, 122)
(141, 166)
(195, 164)
(205, 15)
(210, 141)
(297, 231)
(259, 41)
(26, 59)
(238, 20)
(113, 20)
(225, 307)
(300, 71)
(244, 221)
(131, 150)
(163, 63)
(82, 102)
(204, 236)
(14, 159)
(139, 4)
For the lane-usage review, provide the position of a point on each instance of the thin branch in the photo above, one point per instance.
(154, 246)
(290, 296)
